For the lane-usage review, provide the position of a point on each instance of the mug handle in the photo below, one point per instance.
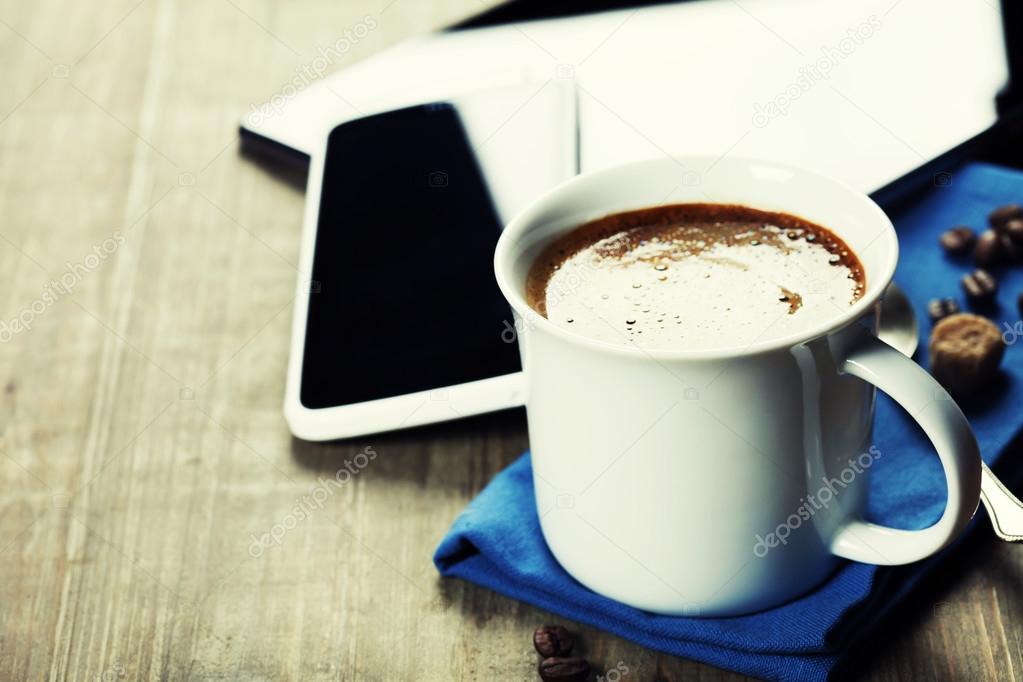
(930, 405)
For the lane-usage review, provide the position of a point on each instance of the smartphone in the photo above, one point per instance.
(403, 322)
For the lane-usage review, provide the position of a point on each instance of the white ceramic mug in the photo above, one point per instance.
(727, 481)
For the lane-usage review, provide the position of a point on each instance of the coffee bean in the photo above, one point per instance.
(965, 351)
(1012, 251)
(1014, 230)
(980, 286)
(957, 240)
(989, 251)
(557, 669)
(1003, 214)
(553, 640)
(941, 307)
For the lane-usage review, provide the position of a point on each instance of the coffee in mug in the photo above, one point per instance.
(689, 276)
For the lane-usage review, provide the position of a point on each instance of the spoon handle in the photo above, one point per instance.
(1004, 508)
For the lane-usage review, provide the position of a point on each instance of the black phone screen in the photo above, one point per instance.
(403, 296)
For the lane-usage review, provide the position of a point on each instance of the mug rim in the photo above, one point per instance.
(524, 221)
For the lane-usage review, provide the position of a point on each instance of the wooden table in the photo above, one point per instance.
(152, 270)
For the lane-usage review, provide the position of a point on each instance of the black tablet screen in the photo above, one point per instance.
(403, 296)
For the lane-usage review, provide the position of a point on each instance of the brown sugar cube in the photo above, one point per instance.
(965, 350)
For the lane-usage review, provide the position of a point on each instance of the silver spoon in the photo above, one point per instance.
(1004, 508)
(900, 330)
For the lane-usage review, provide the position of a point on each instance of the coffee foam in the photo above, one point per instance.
(694, 277)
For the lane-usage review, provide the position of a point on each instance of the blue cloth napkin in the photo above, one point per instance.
(496, 542)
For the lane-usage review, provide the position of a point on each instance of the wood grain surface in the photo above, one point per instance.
(151, 269)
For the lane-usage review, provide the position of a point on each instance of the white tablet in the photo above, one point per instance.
(398, 319)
